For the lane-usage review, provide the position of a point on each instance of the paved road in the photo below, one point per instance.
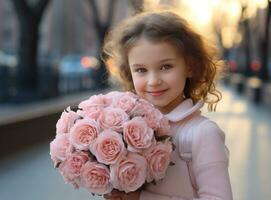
(30, 175)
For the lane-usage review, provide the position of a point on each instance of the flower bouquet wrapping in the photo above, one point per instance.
(112, 141)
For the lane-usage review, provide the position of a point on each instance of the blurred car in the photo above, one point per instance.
(77, 64)
(75, 72)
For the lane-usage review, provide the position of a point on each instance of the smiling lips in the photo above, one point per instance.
(157, 93)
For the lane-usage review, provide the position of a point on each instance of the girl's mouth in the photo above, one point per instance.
(157, 93)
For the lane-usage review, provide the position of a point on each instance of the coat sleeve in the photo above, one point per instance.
(210, 166)
(210, 163)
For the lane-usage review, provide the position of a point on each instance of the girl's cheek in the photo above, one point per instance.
(139, 87)
(138, 82)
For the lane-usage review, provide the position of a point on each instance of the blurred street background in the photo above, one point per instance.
(50, 58)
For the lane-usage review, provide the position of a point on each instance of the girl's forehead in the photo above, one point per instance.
(152, 50)
(149, 52)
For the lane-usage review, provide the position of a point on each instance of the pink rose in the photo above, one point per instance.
(164, 127)
(141, 107)
(96, 100)
(84, 133)
(129, 173)
(70, 169)
(66, 121)
(152, 117)
(113, 118)
(95, 177)
(131, 94)
(126, 102)
(59, 148)
(92, 112)
(158, 159)
(114, 95)
(93, 106)
(137, 134)
(108, 147)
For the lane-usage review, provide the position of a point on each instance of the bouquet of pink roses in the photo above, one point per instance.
(113, 141)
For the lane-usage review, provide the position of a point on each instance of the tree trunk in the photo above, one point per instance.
(100, 76)
(264, 73)
(27, 73)
(29, 18)
(247, 48)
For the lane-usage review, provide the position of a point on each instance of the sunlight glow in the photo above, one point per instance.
(230, 13)
(252, 6)
(202, 12)
(209, 15)
(261, 3)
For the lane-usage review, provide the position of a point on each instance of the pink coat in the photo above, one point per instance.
(209, 160)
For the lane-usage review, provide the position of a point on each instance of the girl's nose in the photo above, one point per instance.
(154, 80)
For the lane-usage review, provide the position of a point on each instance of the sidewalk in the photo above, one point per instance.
(248, 136)
(28, 124)
(14, 113)
(30, 175)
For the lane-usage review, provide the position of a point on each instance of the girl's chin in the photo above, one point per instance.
(157, 104)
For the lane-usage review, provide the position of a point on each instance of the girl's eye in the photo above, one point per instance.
(166, 67)
(140, 70)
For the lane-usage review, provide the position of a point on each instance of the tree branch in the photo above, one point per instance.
(24, 10)
(84, 17)
(95, 12)
(110, 11)
(21, 8)
(39, 8)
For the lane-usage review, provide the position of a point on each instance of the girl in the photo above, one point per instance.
(163, 60)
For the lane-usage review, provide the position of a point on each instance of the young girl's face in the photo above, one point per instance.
(159, 73)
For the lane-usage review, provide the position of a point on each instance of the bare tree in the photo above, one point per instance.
(246, 42)
(100, 76)
(29, 17)
(265, 48)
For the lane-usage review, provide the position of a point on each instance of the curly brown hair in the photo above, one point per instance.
(167, 26)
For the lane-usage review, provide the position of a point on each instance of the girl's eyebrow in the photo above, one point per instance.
(138, 65)
(166, 59)
(160, 61)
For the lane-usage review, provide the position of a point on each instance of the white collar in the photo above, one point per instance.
(183, 110)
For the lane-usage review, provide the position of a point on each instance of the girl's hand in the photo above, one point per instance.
(117, 195)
